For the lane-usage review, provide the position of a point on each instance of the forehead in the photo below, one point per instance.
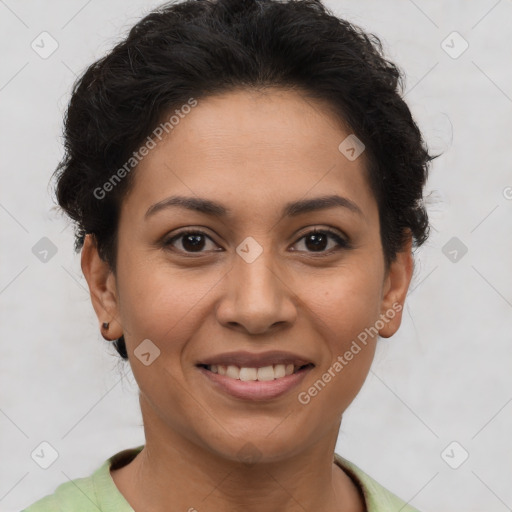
(253, 150)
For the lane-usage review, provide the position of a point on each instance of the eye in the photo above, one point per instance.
(317, 240)
(190, 241)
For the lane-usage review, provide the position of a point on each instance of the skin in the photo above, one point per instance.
(252, 151)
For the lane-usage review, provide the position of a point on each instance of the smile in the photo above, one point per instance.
(264, 373)
(249, 376)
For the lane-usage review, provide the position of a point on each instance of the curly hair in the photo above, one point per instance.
(198, 48)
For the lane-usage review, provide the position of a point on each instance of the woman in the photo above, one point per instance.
(246, 183)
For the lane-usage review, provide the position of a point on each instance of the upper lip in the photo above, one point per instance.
(244, 359)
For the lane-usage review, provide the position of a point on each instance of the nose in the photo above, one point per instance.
(258, 297)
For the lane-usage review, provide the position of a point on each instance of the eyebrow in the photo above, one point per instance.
(292, 209)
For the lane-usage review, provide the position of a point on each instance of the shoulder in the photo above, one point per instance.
(377, 498)
(88, 494)
(78, 493)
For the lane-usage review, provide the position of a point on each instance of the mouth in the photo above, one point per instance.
(254, 376)
(261, 374)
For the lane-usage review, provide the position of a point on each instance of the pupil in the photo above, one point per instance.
(193, 241)
(318, 241)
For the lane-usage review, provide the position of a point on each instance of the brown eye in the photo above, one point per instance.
(318, 241)
(190, 241)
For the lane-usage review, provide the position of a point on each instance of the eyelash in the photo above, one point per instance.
(342, 243)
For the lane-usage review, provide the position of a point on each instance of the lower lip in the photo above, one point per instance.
(254, 389)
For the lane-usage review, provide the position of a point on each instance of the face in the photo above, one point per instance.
(251, 281)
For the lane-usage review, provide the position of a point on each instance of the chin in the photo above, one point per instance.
(254, 445)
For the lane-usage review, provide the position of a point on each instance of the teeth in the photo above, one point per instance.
(249, 374)
(279, 371)
(233, 372)
(266, 373)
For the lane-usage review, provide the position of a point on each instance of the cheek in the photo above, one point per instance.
(344, 312)
(162, 304)
(343, 303)
(344, 308)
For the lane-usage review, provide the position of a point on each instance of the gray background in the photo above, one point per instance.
(444, 377)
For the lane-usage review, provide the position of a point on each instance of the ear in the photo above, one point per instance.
(102, 286)
(395, 287)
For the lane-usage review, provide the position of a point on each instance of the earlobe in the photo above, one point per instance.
(395, 291)
(102, 287)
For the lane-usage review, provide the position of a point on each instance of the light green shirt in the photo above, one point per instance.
(98, 492)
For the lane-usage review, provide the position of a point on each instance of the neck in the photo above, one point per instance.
(172, 469)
